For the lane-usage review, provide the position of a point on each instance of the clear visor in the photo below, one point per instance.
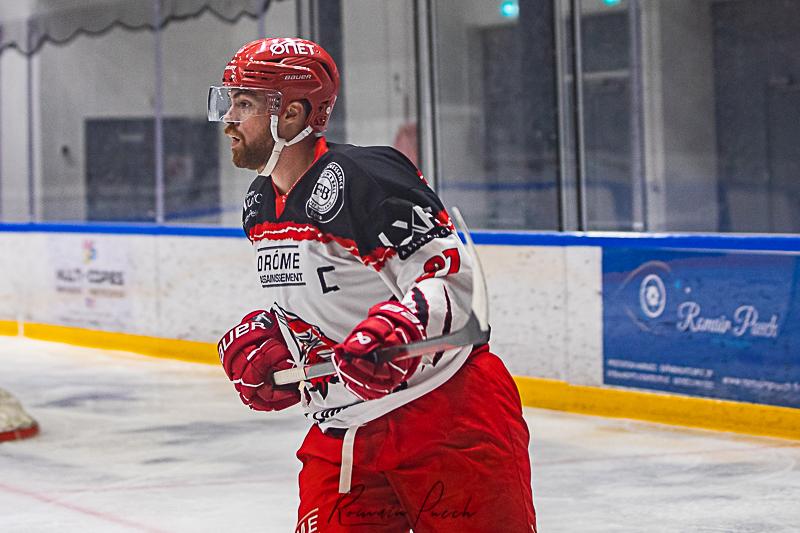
(237, 104)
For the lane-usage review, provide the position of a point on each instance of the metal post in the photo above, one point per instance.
(428, 126)
(567, 186)
(1, 148)
(638, 189)
(158, 104)
(31, 180)
(580, 155)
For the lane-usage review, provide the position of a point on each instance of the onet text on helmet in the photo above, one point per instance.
(291, 46)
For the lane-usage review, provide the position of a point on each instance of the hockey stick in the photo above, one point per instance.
(475, 331)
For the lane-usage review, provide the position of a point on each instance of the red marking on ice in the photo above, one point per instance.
(78, 509)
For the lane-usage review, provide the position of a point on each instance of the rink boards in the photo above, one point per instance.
(687, 329)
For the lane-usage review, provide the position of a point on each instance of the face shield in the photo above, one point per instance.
(237, 104)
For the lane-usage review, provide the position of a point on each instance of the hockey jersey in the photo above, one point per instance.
(361, 226)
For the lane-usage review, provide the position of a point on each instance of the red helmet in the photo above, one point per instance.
(297, 68)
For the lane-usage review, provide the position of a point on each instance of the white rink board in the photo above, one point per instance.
(206, 286)
(546, 301)
(546, 310)
(13, 264)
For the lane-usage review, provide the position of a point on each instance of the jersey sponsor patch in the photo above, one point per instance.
(327, 197)
(279, 266)
(411, 232)
(251, 206)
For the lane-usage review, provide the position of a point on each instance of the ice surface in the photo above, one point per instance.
(131, 443)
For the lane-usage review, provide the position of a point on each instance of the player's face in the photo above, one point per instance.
(251, 140)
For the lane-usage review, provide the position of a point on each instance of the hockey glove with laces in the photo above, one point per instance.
(250, 353)
(387, 324)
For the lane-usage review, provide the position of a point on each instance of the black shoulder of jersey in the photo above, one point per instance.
(379, 172)
(389, 203)
(388, 167)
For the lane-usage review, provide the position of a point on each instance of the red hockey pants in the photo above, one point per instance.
(454, 460)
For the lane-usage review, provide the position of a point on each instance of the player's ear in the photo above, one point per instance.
(295, 112)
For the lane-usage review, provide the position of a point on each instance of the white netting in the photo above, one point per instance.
(15, 423)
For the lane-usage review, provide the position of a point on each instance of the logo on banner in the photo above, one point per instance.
(686, 313)
(89, 282)
(652, 296)
(746, 320)
(705, 322)
(89, 251)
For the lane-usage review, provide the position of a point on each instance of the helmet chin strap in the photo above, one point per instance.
(280, 144)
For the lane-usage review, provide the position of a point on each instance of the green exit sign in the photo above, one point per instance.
(509, 9)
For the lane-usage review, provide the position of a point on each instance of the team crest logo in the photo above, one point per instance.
(327, 198)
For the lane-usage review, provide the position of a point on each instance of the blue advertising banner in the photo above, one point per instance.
(703, 323)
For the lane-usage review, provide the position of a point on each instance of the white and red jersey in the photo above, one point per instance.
(361, 226)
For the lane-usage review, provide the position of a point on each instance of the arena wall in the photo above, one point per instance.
(616, 325)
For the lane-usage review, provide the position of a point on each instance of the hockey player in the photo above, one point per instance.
(355, 252)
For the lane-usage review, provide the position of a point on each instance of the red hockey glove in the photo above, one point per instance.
(387, 324)
(250, 353)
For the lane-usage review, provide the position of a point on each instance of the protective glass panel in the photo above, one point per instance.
(15, 202)
(497, 112)
(374, 48)
(92, 105)
(750, 116)
(201, 185)
(608, 63)
(689, 115)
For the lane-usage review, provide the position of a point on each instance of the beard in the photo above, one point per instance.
(251, 154)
